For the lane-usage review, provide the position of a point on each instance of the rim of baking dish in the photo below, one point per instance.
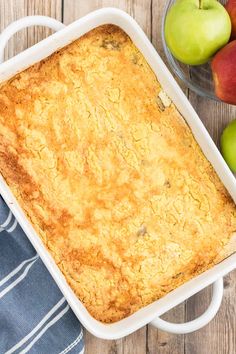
(45, 48)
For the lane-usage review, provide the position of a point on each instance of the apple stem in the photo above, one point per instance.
(200, 4)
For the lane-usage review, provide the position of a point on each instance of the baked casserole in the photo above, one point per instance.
(110, 175)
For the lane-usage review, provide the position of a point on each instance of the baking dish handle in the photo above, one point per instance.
(203, 320)
(24, 22)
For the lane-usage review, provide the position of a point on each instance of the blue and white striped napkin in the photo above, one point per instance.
(34, 315)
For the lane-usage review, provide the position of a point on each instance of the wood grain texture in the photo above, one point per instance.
(219, 337)
(52, 8)
(166, 343)
(139, 9)
(12, 10)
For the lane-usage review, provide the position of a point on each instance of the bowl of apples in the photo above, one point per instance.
(199, 39)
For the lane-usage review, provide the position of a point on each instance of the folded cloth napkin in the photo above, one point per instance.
(34, 315)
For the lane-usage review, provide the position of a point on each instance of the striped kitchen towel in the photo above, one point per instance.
(34, 315)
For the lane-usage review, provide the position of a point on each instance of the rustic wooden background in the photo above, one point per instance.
(219, 337)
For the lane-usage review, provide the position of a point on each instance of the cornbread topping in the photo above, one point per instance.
(110, 175)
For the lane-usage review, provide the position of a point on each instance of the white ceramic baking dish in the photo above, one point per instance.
(151, 313)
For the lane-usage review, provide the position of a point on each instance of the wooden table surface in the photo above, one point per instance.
(219, 337)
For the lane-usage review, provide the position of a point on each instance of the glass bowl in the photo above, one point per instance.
(197, 78)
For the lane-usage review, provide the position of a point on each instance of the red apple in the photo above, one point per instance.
(231, 8)
(224, 73)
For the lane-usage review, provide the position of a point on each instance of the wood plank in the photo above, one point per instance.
(141, 11)
(163, 342)
(132, 344)
(74, 9)
(10, 11)
(135, 343)
(157, 13)
(52, 8)
(219, 336)
(214, 115)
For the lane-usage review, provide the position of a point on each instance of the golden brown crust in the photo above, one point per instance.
(110, 175)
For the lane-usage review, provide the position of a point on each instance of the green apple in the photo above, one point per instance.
(196, 29)
(228, 145)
